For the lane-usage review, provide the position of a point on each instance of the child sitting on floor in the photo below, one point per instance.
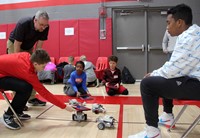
(68, 69)
(48, 74)
(76, 85)
(112, 78)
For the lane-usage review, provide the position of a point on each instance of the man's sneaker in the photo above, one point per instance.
(149, 132)
(9, 122)
(23, 116)
(166, 119)
(36, 102)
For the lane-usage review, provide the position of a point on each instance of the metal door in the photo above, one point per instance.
(129, 40)
(156, 29)
(137, 39)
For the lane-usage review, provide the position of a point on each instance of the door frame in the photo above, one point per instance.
(146, 10)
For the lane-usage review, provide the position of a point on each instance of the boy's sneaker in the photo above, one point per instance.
(97, 83)
(166, 119)
(149, 132)
(36, 102)
(25, 108)
(23, 116)
(9, 122)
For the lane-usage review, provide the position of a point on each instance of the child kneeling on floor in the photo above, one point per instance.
(112, 78)
(76, 85)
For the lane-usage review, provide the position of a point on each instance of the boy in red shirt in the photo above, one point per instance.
(18, 73)
(112, 78)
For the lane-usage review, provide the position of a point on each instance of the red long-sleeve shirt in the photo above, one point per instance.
(19, 66)
(112, 78)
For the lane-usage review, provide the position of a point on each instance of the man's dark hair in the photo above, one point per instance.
(80, 62)
(113, 58)
(182, 12)
(40, 56)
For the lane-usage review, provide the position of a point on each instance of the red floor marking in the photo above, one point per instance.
(121, 100)
(120, 124)
(9, 95)
(133, 100)
(102, 100)
(107, 100)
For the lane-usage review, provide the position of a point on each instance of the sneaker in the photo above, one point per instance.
(100, 84)
(149, 132)
(25, 108)
(36, 102)
(23, 116)
(97, 83)
(166, 119)
(9, 122)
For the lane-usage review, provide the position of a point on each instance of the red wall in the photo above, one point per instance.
(52, 45)
(105, 46)
(69, 44)
(3, 29)
(41, 3)
(85, 40)
(89, 39)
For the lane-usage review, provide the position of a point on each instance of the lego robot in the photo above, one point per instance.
(79, 116)
(106, 121)
(80, 107)
(74, 102)
(98, 108)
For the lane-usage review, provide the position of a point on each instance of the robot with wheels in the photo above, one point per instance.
(79, 116)
(74, 102)
(80, 107)
(106, 121)
(98, 108)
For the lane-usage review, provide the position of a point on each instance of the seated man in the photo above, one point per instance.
(179, 78)
(20, 76)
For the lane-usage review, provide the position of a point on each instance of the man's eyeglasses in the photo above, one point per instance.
(42, 25)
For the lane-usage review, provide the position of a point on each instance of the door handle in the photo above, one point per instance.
(143, 48)
(131, 48)
(149, 48)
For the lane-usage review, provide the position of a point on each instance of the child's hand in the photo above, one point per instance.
(88, 93)
(78, 94)
(107, 84)
(117, 85)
